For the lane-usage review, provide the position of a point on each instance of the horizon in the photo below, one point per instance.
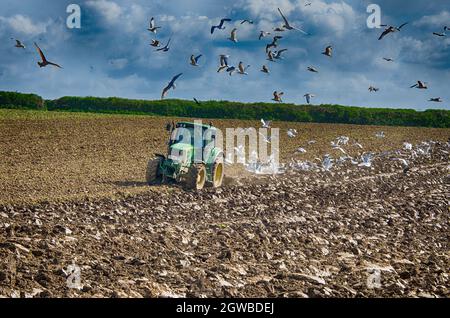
(94, 65)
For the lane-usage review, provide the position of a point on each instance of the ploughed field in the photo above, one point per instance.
(72, 191)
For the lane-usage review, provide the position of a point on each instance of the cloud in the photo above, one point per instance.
(23, 24)
(436, 21)
(110, 10)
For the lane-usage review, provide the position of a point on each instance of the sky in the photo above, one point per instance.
(110, 54)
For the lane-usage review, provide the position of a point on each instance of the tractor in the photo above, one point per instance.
(194, 158)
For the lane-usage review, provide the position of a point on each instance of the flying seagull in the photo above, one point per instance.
(19, 44)
(287, 26)
(155, 43)
(242, 70)
(166, 47)
(170, 85)
(388, 59)
(44, 61)
(277, 96)
(152, 28)
(274, 42)
(436, 100)
(308, 4)
(278, 54)
(194, 59)
(391, 29)
(233, 36)
(279, 29)
(373, 89)
(265, 124)
(441, 34)
(420, 85)
(328, 51)
(231, 70)
(265, 69)
(196, 101)
(270, 56)
(308, 97)
(312, 69)
(223, 62)
(247, 21)
(220, 26)
(263, 34)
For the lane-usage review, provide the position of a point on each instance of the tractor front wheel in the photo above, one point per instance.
(196, 177)
(152, 174)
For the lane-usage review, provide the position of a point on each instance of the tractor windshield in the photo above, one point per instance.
(185, 135)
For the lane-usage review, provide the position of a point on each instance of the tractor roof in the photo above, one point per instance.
(189, 124)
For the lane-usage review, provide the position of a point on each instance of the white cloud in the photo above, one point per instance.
(23, 24)
(110, 10)
(438, 20)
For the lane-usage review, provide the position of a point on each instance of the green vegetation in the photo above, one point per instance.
(233, 110)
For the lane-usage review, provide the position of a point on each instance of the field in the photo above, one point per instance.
(72, 190)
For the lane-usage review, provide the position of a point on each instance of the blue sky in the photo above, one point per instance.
(110, 55)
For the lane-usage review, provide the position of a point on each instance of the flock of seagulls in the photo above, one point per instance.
(271, 50)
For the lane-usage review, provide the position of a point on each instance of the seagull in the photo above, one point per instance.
(404, 163)
(247, 21)
(308, 97)
(152, 28)
(279, 29)
(44, 61)
(241, 69)
(391, 29)
(220, 26)
(441, 34)
(328, 51)
(263, 34)
(194, 60)
(420, 85)
(233, 36)
(388, 59)
(278, 54)
(312, 69)
(265, 69)
(308, 4)
(19, 44)
(265, 124)
(292, 133)
(155, 43)
(373, 89)
(170, 85)
(287, 26)
(223, 62)
(436, 100)
(266, 139)
(196, 101)
(166, 47)
(277, 96)
(270, 56)
(274, 42)
(231, 70)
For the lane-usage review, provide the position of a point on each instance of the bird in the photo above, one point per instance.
(328, 51)
(278, 54)
(436, 100)
(266, 124)
(277, 96)
(441, 34)
(247, 21)
(265, 69)
(391, 29)
(287, 26)
(270, 56)
(420, 85)
(155, 43)
(404, 163)
(373, 89)
(388, 59)
(312, 69)
(292, 133)
(194, 59)
(44, 62)
(223, 62)
(231, 70)
(152, 28)
(274, 42)
(19, 44)
(170, 85)
(308, 97)
(266, 139)
(220, 26)
(166, 47)
(263, 34)
(196, 101)
(241, 69)
(233, 36)
(308, 4)
(279, 29)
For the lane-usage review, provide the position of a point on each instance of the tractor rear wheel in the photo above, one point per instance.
(217, 175)
(196, 177)
(152, 174)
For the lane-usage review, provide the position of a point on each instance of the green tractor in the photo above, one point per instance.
(195, 162)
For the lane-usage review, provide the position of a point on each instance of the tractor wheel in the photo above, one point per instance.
(217, 175)
(196, 177)
(152, 175)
